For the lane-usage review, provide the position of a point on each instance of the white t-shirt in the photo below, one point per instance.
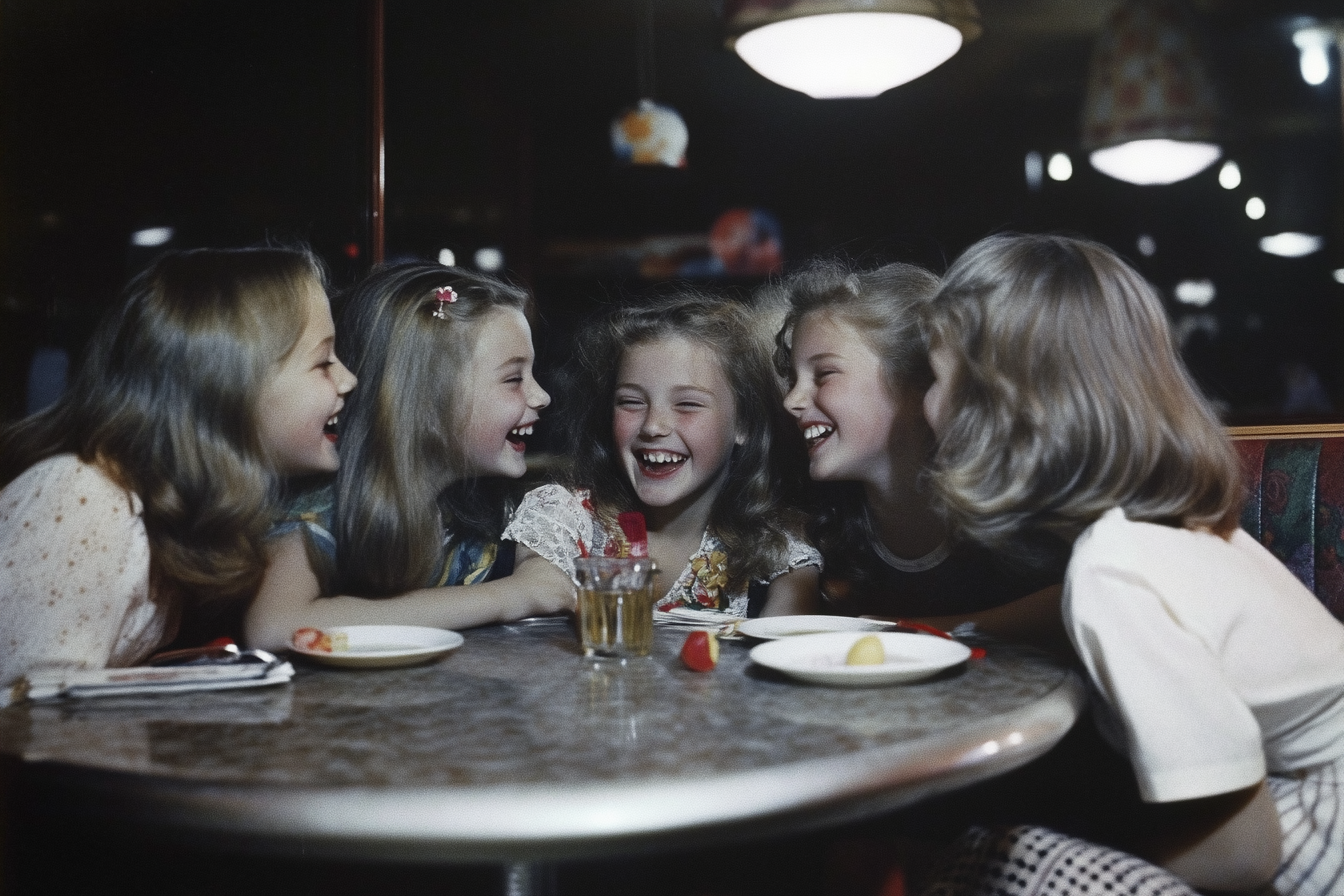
(1211, 662)
(74, 572)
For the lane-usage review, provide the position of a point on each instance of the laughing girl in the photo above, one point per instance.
(852, 350)
(141, 497)
(677, 415)
(408, 533)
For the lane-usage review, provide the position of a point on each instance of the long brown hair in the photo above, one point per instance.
(403, 477)
(166, 404)
(1069, 397)
(749, 514)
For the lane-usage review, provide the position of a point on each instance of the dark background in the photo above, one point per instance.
(241, 121)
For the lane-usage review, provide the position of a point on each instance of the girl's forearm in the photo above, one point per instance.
(795, 593)
(289, 599)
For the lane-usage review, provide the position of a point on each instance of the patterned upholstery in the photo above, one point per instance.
(1295, 507)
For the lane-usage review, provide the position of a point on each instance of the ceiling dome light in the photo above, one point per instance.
(1196, 292)
(1255, 208)
(152, 236)
(1150, 109)
(1313, 45)
(1060, 167)
(1291, 244)
(1154, 162)
(1229, 176)
(833, 49)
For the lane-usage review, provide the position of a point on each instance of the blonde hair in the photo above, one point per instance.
(166, 403)
(1068, 398)
(403, 474)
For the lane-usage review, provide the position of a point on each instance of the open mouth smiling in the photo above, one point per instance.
(660, 462)
(517, 435)
(329, 430)
(817, 433)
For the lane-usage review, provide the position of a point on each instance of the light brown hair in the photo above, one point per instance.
(166, 403)
(403, 476)
(1069, 398)
(883, 306)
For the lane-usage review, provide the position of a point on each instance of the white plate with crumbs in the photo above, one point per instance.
(769, 628)
(377, 646)
(820, 658)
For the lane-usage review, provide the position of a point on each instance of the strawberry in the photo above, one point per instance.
(700, 653)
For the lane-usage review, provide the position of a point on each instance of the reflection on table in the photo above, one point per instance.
(515, 748)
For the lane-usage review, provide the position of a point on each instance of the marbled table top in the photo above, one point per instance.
(515, 746)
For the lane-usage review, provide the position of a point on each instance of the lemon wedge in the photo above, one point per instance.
(867, 651)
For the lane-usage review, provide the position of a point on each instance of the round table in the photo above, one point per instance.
(515, 748)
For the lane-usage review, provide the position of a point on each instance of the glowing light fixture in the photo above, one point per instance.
(832, 49)
(1291, 244)
(1060, 167)
(1229, 176)
(1150, 110)
(1338, 274)
(1146, 245)
(447, 258)
(1196, 292)
(489, 259)
(1313, 46)
(1034, 169)
(152, 236)
(1255, 208)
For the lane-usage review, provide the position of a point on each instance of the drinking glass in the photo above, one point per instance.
(615, 605)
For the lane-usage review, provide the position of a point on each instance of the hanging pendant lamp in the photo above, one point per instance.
(649, 133)
(832, 49)
(1150, 114)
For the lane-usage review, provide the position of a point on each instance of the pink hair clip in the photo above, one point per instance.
(444, 295)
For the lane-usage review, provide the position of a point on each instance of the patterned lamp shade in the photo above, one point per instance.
(650, 134)
(1151, 111)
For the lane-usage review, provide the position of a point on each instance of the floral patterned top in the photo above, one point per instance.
(560, 524)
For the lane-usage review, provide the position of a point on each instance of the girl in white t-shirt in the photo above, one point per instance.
(140, 499)
(1060, 406)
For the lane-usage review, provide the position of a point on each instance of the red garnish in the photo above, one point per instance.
(976, 652)
(700, 653)
(636, 532)
(312, 639)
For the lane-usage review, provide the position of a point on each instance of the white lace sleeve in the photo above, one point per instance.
(551, 520)
(800, 554)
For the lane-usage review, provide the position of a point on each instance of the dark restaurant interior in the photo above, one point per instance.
(138, 126)
(236, 123)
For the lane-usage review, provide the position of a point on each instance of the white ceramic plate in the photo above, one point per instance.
(768, 628)
(820, 659)
(386, 646)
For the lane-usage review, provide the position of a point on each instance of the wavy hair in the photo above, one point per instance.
(883, 306)
(749, 514)
(403, 474)
(166, 403)
(1069, 398)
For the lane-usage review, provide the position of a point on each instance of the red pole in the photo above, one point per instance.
(378, 180)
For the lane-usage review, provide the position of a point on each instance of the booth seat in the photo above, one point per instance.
(1295, 504)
